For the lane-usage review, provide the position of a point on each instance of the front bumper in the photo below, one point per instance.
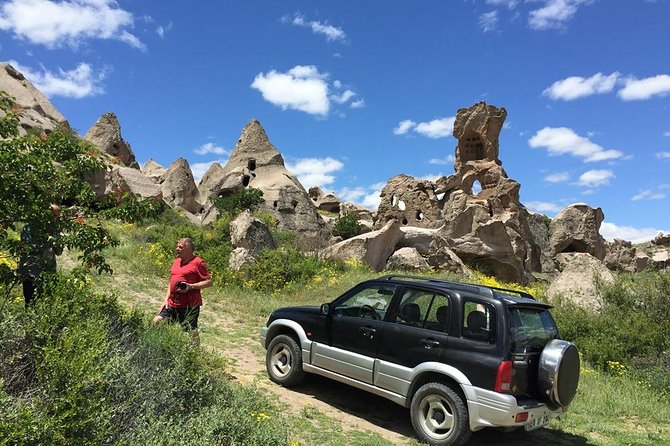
(263, 336)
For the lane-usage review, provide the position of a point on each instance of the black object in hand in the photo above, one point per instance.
(181, 285)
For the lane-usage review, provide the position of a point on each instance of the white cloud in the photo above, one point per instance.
(511, 4)
(404, 127)
(315, 171)
(162, 30)
(488, 21)
(562, 140)
(595, 178)
(447, 160)
(578, 87)
(210, 148)
(360, 103)
(302, 88)
(648, 195)
(666, 133)
(543, 207)
(52, 24)
(344, 97)
(437, 128)
(330, 32)
(554, 14)
(368, 197)
(200, 169)
(663, 155)
(636, 235)
(559, 177)
(78, 83)
(639, 89)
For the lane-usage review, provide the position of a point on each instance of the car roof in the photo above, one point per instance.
(508, 296)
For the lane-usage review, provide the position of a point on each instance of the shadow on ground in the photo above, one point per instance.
(392, 417)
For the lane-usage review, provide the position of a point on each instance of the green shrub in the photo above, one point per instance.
(238, 201)
(131, 208)
(347, 226)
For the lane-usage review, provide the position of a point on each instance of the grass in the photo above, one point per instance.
(608, 410)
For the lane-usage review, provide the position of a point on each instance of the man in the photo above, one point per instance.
(188, 275)
(38, 254)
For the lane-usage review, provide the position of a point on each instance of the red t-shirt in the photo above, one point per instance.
(193, 271)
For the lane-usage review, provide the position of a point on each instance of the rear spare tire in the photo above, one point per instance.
(558, 373)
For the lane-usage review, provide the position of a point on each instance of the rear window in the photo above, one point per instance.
(531, 328)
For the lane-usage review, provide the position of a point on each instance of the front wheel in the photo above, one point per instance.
(283, 361)
(439, 415)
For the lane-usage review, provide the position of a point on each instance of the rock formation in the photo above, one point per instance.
(576, 229)
(250, 233)
(32, 107)
(407, 259)
(105, 134)
(577, 281)
(209, 181)
(623, 256)
(153, 170)
(118, 180)
(324, 202)
(178, 187)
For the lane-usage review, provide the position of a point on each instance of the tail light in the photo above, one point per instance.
(504, 377)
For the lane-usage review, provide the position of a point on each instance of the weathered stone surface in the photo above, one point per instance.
(410, 201)
(661, 239)
(33, 108)
(660, 259)
(153, 170)
(210, 181)
(239, 258)
(417, 238)
(373, 248)
(255, 162)
(477, 129)
(361, 212)
(623, 256)
(105, 134)
(324, 202)
(178, 187)
(407, 259)
(539, 229)
(577, 281)
(576, 229)
(248, 232)
(117, 180)
(441, 257)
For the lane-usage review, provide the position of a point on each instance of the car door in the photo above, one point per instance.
(416, 333)
(355, 323)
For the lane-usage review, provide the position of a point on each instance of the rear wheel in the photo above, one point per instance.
(439, 415)
(283, 361)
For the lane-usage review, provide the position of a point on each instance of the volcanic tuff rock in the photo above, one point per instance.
(477, 129)
(661, 239)
(576, 229)
(577, 281)
(153, 170)
(118, 180)
(407, 259)
(248, 232)
(178, 187)
(33, 108)
(323, 201)
(209, 181)
(255, 162)
(239, 258)
(623, 256)
(105, 134)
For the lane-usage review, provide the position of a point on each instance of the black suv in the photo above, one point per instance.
(461, 357)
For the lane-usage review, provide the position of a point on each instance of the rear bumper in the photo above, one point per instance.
(492, 409)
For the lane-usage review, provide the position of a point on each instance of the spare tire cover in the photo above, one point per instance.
(558, 373)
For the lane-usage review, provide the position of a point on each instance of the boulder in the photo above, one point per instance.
(576, 229)
(577, 280)
(118, 180)
(407, 259)
(539, 229)
(153, 170)
(255, 162)
(373, 248)
(661, 239)
(361, 212)
(248, 232)
(623, 256)
(105, 134)
(239, 258)
(324, 202)
(178, 187)
(32, 107)
(417, 238)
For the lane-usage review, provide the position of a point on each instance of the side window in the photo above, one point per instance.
(420, 308)
(478, 321)
(371, 303)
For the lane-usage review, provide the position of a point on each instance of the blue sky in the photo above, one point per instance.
(354, 93)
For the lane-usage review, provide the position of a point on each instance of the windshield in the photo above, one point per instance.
(531, 328)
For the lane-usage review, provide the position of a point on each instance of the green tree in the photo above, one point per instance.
(238, 201)
(347, 226)
(38, 170)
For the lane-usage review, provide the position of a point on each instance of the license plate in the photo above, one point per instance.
(537, 423)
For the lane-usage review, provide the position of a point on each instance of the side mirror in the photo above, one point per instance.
(325, 309)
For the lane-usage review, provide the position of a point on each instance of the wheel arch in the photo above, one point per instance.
(289, 328)
(441, 373)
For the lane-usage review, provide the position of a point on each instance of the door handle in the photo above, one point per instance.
(430, 343)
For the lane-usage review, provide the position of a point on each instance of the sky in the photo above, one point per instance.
(354, 93)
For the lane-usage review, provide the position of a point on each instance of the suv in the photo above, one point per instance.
(461, 357)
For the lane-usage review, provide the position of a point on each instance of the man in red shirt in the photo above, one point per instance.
(188, 275)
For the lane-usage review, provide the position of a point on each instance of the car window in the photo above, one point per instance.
(478, 321)
(371, 302)
(420, 308)
(531, 328)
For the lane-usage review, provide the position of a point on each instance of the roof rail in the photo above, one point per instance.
(433, 279)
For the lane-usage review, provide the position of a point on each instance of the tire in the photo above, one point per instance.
(558, 373)
(439, 415)
(283, 361)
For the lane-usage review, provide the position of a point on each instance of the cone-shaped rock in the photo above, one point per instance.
(34, 109)
(255, 162)
(153, 170)
(210, 180)
(178, 187)
(105, 134)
